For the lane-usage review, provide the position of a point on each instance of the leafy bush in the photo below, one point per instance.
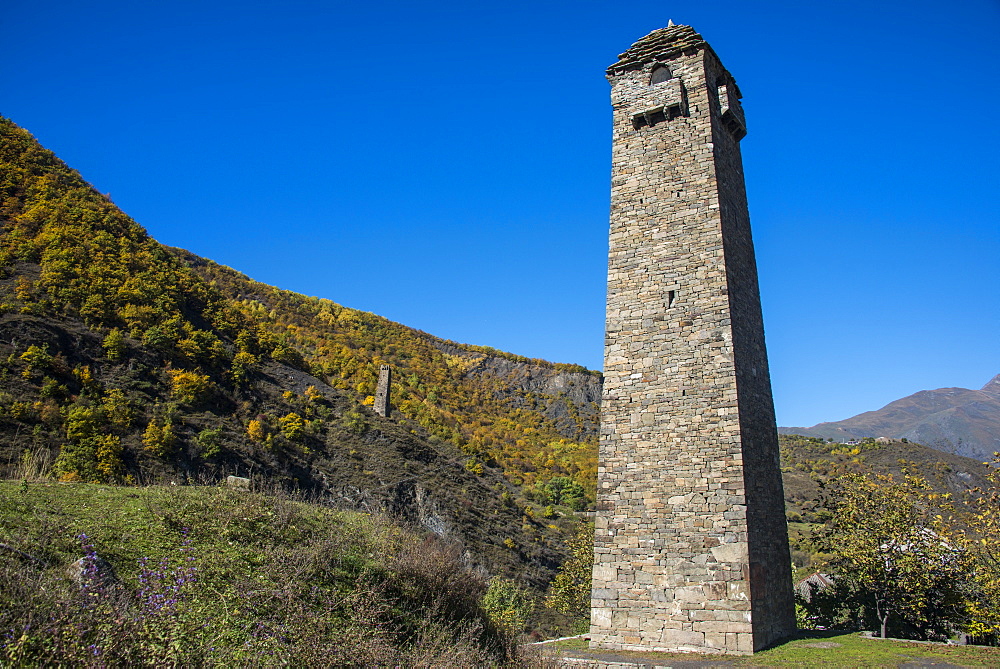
(188, 387)
(159, 437)
(569, 592)
(292, 426)
(114, 344)
(508, 605)
(210, 440)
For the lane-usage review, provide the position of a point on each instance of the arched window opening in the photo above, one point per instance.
(661, 73)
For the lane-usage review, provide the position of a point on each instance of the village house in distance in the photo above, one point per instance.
(691, 545)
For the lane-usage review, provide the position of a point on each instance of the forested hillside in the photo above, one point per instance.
(124, 361)
(534, 419)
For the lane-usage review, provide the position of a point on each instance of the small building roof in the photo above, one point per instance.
(658, 45)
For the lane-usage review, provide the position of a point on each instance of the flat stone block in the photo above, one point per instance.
(691, 593)
(600, 618)
(738, 590)
(716, 626)
(731, 552)
(662, 596)
(604, 593)
(604, 574)
(674, 638)
(716, 640)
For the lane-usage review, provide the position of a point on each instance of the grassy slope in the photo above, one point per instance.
(274, 578)
(819, 649)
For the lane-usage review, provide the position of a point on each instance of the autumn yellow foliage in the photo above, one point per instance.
(255, 431)
(188, 387)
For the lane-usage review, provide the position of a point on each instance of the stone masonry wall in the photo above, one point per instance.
(772, 600)
(687, 555)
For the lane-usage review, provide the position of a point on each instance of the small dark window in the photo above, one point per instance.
(661, 73)
(671, 296)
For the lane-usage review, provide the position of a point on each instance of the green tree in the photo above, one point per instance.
(114, 344)
(978, 528)
(564, 490)
(243, 363)
(507, 605)
(292, 426)
(570, 589)
(887, 536)
(210, 440)
(37, 358)
(89, 453)
(159, 437)
(118, 409)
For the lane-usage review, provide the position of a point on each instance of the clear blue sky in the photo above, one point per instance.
(446, 164)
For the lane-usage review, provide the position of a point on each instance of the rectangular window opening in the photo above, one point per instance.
(671, 296)
(650, 118)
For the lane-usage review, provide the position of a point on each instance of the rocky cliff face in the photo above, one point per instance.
(955, 420)
(570, 399)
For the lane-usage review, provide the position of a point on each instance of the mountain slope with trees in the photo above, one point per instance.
(124, 361)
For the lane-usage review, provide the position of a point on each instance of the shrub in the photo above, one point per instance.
(355, 422)
(507, 605)
(159, 437)
(114, 344)
(243, 363)
(210, 440)
(570, 590)
(256, 431)
(37, 358)
(118, 409)
(188, 387)
(292, 426)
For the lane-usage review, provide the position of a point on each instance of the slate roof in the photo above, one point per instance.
(657, 45)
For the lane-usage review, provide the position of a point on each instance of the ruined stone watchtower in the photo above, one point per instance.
(382, 391)
(691, 546)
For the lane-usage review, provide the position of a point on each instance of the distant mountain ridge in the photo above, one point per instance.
(955, 420)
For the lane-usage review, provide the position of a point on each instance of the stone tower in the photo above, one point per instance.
(381, 405)
(691, 546)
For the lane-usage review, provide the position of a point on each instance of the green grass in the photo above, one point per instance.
(852, 650)
(275, 580)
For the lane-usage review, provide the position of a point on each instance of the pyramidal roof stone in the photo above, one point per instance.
(658, 45)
